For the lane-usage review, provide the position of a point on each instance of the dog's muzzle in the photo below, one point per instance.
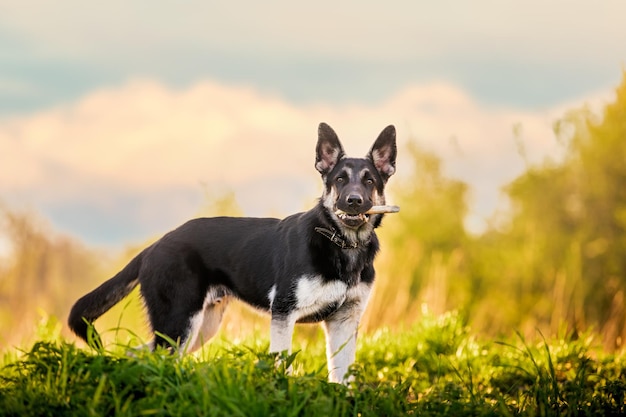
(352, 220)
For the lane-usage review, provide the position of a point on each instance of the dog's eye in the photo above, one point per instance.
(369, 181)
(340, 180)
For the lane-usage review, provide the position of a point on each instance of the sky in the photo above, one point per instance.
(117, 119)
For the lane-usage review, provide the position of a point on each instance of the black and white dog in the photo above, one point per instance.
(310, 267)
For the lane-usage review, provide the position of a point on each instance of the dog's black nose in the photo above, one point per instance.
(354, 200)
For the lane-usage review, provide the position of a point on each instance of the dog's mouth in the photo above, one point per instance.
(352, 220)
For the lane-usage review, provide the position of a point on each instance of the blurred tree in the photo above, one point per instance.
(598, 202)
(559, 256)
(568, 226)
(40, 271)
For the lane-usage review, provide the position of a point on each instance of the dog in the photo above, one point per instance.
(315, 266)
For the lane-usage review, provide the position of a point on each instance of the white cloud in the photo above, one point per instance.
(155, 143)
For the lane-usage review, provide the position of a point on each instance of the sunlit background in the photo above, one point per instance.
(121, 120)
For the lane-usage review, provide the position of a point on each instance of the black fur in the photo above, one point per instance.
(247, 257)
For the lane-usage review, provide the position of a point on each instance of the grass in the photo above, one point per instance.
(434, 368)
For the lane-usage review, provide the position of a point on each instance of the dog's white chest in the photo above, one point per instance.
(313, 294)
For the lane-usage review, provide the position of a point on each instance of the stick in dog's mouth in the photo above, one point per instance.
(383, 209)
(373, 210)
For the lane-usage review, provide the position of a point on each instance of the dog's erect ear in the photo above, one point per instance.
(383, 152)
(329, 150)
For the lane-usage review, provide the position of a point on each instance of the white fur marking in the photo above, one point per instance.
(329, 199)
(271, 295)
(359, 292)
(313, 294)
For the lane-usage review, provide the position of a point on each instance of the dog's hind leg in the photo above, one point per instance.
(204, 324)
(188, 328)
(184, 308)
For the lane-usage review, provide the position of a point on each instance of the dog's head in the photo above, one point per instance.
(354, 185)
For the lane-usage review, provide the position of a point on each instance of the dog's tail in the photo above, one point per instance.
(94, 304)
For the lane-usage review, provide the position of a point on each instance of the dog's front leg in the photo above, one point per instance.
(341, 334)
(281, 333)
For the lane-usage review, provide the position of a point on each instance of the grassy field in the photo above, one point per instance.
(435, 368)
